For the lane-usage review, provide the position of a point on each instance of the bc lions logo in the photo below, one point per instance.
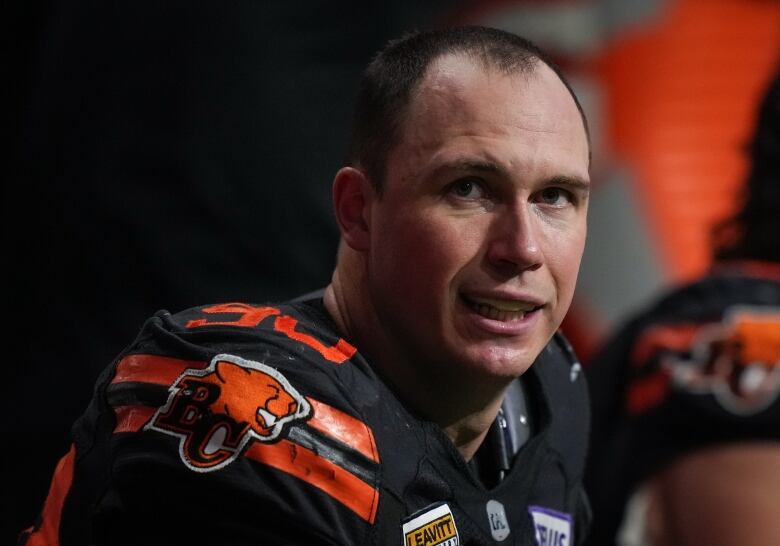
(738, 361)
(217, 411)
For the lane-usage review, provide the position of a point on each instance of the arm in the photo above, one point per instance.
(722, 496)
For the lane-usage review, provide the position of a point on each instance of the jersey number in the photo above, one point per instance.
(250, 317)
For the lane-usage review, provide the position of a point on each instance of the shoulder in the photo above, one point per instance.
(692, 369)
(297, 328)
(252, 372)
(683, 321)
(256, 398)
(699, 367)
(295, 340)
(705, 340)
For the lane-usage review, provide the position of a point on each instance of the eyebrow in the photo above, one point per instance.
(468, 165)
(572, 182)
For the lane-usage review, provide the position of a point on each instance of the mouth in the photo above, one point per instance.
(503, 310)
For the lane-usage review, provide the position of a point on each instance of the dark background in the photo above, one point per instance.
(163, 154)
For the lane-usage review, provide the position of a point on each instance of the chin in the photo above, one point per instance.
(501, 363)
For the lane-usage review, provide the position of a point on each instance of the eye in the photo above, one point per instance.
(556, 197)
(467, 188)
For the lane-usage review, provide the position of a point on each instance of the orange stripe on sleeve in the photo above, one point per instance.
(344, 428)
(678, 337)
(159, 370)
(48, 533)
(294, 459)
(305, 465)
(647, 392)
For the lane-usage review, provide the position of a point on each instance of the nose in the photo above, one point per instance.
(514, 244)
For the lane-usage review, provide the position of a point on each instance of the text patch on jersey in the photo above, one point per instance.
(499, 526)
(217, 411)
(552, 528)
(433, 527)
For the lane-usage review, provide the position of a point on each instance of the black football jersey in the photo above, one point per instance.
(699, 367)
(240, 424)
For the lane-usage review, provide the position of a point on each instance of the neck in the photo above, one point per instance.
(467, 423)
(464, 406)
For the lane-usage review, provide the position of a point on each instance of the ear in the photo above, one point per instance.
(352, 198)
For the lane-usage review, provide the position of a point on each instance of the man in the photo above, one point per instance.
(686, 430)
(387, 409)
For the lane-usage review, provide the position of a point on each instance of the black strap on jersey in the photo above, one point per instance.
(515, 416)
(509, 432)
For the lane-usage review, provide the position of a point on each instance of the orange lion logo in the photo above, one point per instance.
(217, 411)
(738, 361)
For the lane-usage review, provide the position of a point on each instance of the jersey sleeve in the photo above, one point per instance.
(228, 425)
(697, 369)
(696, 383)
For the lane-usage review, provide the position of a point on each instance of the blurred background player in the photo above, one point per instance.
(686, 396)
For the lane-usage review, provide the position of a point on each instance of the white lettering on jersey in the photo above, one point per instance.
(552, 528)
(499, 526)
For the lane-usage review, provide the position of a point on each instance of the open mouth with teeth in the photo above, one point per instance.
(501, 310)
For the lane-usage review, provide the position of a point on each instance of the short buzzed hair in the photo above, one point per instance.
(390, 79)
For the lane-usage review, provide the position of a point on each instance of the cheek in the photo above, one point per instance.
(422, 255)
(564, 263)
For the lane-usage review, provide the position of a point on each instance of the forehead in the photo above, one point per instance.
(460, 97)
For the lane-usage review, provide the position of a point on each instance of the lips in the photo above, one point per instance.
(503, 310)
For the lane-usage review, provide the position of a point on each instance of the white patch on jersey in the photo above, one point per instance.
(499, 526)
(552, 528)
(574, 372)
(434, 527)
